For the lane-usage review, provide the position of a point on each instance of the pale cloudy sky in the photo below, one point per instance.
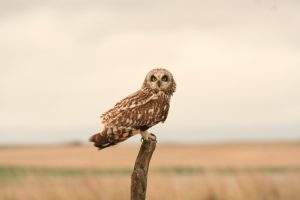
(236, 63)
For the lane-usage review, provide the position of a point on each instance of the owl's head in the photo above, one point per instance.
(160, 80)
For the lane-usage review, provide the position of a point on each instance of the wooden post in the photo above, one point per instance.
(140, 172)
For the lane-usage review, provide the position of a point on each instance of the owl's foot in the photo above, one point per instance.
(152, 136)
(147, 136)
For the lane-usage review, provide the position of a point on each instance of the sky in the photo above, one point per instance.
(64, 63)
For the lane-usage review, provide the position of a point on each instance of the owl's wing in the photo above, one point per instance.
(128, 111)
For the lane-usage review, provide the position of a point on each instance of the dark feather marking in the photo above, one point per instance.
(142, 128)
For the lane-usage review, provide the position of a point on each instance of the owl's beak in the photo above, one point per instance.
(158, 83)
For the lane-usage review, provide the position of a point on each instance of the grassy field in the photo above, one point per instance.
(208, 172)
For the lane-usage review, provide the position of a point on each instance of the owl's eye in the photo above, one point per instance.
(164, 78)
(153, 78)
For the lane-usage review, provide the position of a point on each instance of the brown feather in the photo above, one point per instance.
(105, 139)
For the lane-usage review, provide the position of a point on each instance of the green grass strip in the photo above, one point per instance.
(19, 171)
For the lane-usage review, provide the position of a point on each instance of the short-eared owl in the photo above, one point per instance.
(139, 111)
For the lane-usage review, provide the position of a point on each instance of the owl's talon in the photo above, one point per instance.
(147, 136)
(152, 136)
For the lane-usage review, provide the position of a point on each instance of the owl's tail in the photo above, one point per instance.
(109, 137)
(101, 141)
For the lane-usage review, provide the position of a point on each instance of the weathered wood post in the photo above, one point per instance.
(140, 172)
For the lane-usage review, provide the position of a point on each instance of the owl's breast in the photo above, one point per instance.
(159, 110)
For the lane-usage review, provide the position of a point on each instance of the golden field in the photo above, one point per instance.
(250, 171)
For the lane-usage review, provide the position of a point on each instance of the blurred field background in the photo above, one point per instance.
(249, 171)
(233, 122)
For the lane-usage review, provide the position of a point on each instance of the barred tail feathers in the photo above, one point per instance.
(111, 136)
(100, 141)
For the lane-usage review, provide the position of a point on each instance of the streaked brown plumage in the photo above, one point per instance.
(139, 111)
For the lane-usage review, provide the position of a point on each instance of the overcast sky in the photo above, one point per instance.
(236, 64)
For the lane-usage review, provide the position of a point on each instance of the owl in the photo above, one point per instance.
(139, 111)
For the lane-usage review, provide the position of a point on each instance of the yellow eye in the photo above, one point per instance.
(164, 78)
(153, 78)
